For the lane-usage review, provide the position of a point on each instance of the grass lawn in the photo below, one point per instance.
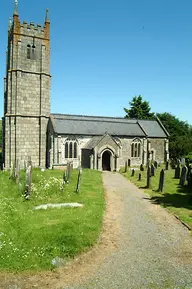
(176, 199)
(30, 239)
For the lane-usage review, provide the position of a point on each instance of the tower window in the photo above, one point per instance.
(28, 51)
(33, 53)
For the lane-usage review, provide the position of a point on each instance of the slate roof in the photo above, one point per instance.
(98, 126)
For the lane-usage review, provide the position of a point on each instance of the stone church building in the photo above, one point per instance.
(52, 140)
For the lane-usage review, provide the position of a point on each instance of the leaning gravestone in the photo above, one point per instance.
(141, 167)
(79, 180)
(139, 178)
(133, 173)
(161, 181)
(183, 176)
(148, 177)
(167, 165)
(125, 166)
(155, 164)
(152, 170)
(177, 172)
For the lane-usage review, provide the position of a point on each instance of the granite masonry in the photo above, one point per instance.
(52, 140)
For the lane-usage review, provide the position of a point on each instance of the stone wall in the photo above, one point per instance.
(158, 145)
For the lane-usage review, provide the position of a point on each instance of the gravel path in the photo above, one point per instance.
(154, 251)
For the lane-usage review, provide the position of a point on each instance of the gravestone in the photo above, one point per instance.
(28, 181)
(79, 180)
(177, 172)
(167, 165)
(133, 173)
(141, 167)
(183, 161)
(148, 177)
(17, 171)
(183, 176)
(161, 181)
(155, 164)
(125, 166)
(152, 170)
(139, 178)
(129, 162)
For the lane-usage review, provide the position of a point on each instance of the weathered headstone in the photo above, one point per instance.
(155, 164)
(167, 165)
(129, 162)
(28, 181)
(183, 161)
(141, 167)
(139, 178)
(79, 180)
(152, 170)
(177, 172)
(161, 181)
(183, 176)
(133, 173)
(125, 166)
(148, 177)
(17, 171)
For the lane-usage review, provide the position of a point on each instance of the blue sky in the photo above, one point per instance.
(104, 52)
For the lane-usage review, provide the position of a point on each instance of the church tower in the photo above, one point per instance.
(26, 92)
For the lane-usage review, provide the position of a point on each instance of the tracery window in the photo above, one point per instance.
(136, 148)
(71, 149)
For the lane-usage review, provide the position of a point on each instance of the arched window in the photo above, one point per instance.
(33, 53)
(136, 148)
(71, 151)
(66, 150)
(28, 51)
(75, 150)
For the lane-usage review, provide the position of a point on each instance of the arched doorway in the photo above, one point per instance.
(106, 161)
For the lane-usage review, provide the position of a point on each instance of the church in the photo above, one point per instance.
(52, 140)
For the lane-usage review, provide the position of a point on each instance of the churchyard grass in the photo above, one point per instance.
(175, 198)
(30, 239)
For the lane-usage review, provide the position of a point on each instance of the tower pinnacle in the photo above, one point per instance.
(47, 16)
(16, 8)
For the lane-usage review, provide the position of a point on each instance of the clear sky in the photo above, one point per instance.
(104, 52)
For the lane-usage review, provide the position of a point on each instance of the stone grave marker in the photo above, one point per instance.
(139, 178)
(155, 164)
(79, 180)
(148, 177)
(132, 172)
(152, 170)
(177, 172)
(167, 165)
(28, 181)
(126, 166)
(17, 171)
(183, 161)
(183, 176)
(161, 181)
(141, 167)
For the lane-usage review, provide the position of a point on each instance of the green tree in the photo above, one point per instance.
(180, 142)
(139, 109)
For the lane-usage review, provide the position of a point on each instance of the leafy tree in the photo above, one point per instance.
(139, 109)
(180, 142)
